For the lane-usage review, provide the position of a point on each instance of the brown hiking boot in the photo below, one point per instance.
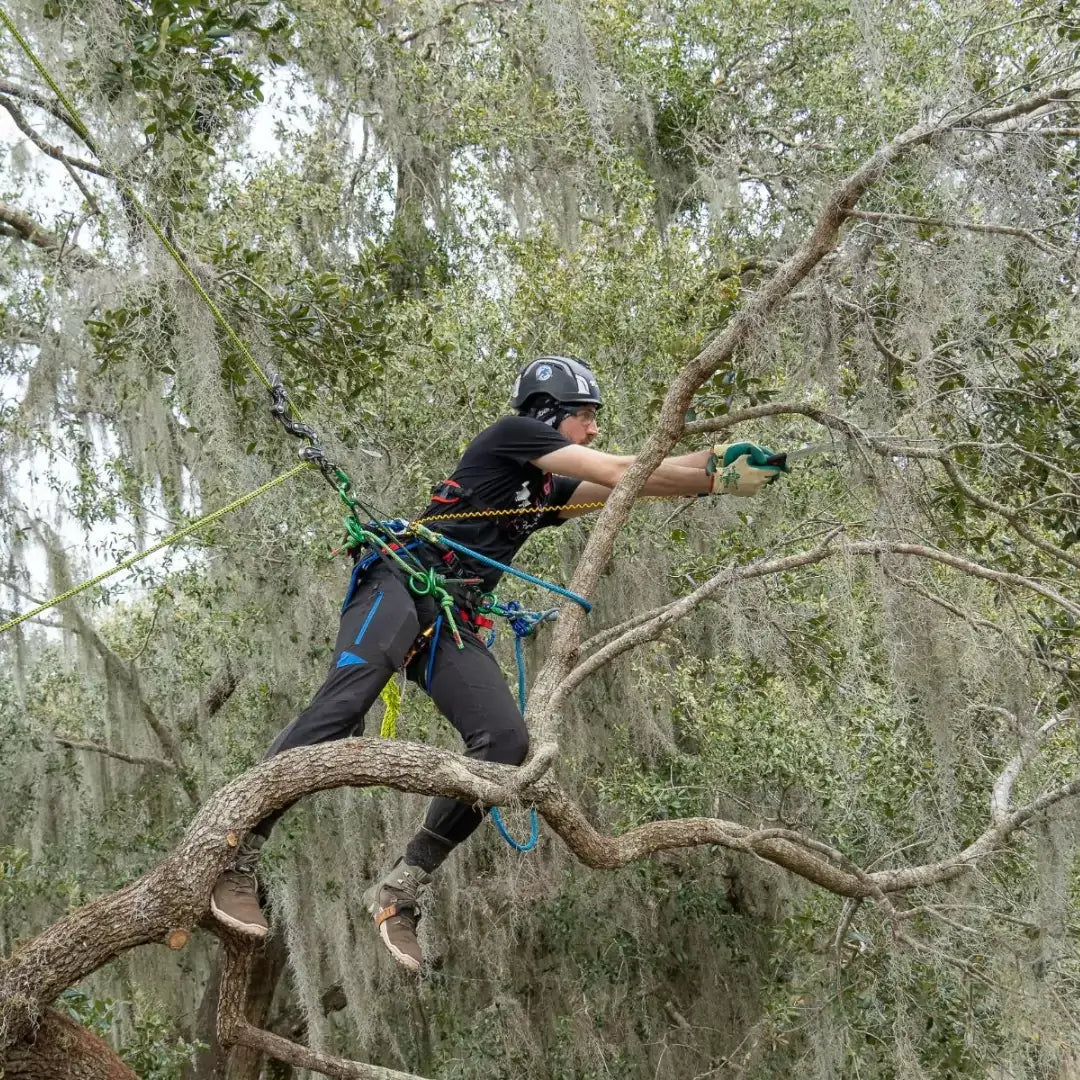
(235, 899)
(394, 906)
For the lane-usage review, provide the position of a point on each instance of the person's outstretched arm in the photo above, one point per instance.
(599, 472)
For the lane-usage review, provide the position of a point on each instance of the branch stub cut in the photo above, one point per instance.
(177, 939)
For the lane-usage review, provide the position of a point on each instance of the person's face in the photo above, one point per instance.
(580, 426)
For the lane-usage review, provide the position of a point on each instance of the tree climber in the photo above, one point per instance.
(537, 459)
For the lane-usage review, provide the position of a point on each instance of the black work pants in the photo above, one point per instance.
(380, 620)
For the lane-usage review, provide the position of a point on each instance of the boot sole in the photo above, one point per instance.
(254, 930)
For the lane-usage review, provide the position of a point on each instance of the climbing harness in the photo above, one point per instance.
(424, 581)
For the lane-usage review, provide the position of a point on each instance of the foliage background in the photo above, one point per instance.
(397, 204)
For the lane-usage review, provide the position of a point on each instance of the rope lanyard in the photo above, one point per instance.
(465, 515)
(172, 538)
(524, 624)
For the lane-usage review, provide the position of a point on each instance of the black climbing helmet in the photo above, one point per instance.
(563, 378)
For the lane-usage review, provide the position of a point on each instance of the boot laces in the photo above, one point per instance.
(246, 861)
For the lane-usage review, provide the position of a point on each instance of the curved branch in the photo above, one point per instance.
(649, 625)
(1002, 793)
(174, 895)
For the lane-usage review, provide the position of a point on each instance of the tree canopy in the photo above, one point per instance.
(809, 770)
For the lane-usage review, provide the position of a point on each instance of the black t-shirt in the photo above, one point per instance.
(495, 473)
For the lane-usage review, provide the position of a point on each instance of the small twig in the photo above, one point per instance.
(969, 226)
(119, 755)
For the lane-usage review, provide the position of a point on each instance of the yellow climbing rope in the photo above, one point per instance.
(172, 538)
(391, 696)
(462, 515)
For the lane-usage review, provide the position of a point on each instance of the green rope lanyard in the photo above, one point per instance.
(131, 560)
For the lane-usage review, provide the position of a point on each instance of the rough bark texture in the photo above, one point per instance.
(60, 1049)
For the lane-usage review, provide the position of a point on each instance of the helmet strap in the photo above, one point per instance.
(549, 412)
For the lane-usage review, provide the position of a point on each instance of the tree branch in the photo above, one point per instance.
(887, 448)
(968, 226)
(649, 625)
(20, 224)
(119, 755)
(235, 1030)
(174, 894)
(742, 328)
(1002, 793)
(42, 101)
(55, 152)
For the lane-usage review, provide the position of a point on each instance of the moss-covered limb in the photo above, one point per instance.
(116, 755)
(671, 423)
(175, 893)
(648, 626)
(43, 145)
(892, 448)
(61, 1047)
(46, 103)
(971, 226)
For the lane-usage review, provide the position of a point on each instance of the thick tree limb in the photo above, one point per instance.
(61, 1049)
(18, 223)
(174, 894)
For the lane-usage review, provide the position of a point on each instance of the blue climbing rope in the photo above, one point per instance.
(521, 574)
(523, 623)
(400, 527)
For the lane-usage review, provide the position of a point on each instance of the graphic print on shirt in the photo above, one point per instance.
(520, 526)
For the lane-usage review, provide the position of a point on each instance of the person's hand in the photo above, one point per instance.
(743, 468)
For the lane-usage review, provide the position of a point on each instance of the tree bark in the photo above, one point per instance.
(61, 1049)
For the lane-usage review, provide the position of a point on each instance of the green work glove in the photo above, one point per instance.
(743, 468)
